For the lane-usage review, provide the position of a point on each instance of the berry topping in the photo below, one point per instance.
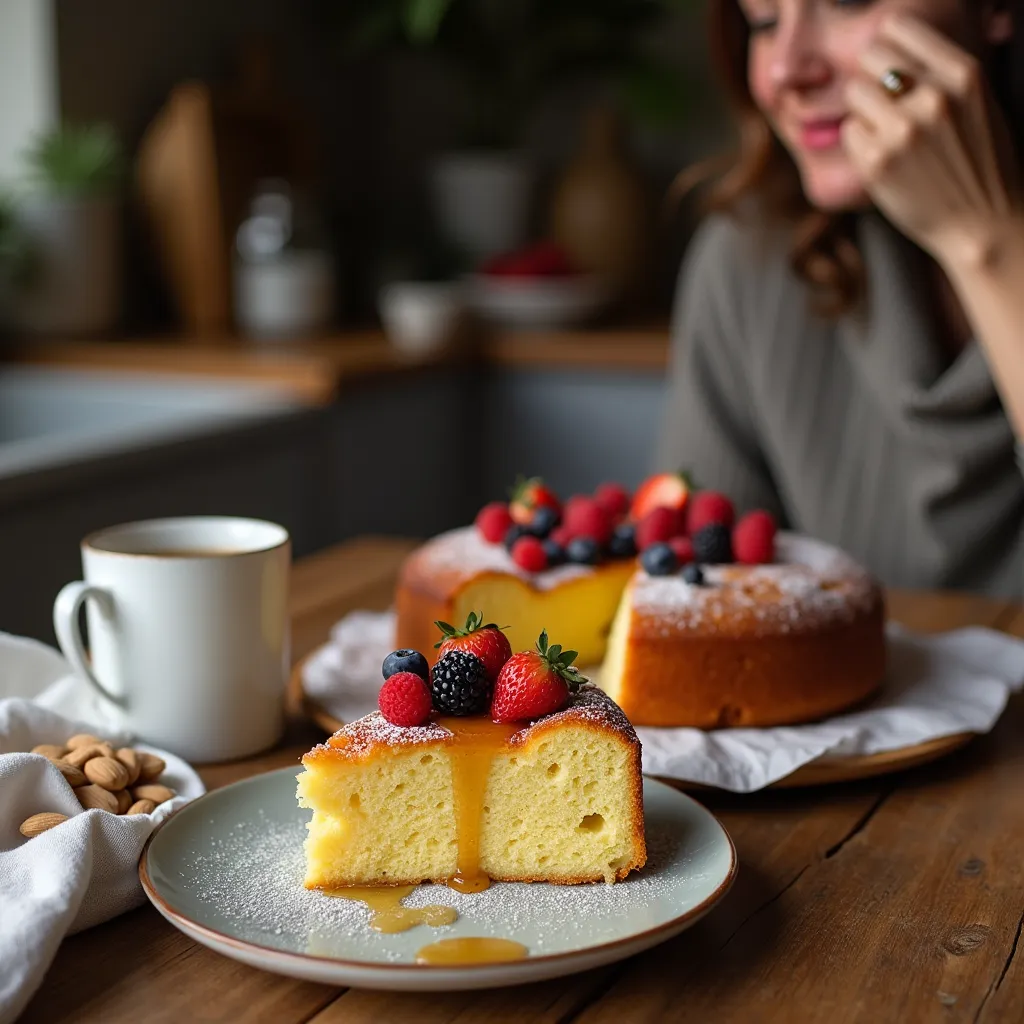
(659, 560)
(554, 551)
(528, 553)
(405, 660)
(623, 542)
(535, 683)
(658, 526)
(683, 547)
(709, 507)
(528, 496)
(614, 499)
(493, 521)
(512, 534)
(583, 551)
(561, 535)
(404, 699)
(541, 259)
(544, 520)
(753, 538)
(664, 490)
(693, 574)
(713, 544)
(484, 640)
(460, 685)
(584, 517)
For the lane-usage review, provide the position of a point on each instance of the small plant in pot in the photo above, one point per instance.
(70, 217)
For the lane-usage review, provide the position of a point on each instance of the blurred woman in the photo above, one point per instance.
(849, 332)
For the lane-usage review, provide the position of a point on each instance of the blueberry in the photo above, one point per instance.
(514, 532)
(554, 551)
(544, 520)
(659, 560)
(692, 574)
(405, 660)
(623, 542)
(583, 551)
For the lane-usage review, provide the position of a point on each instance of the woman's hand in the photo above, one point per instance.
(936, 159)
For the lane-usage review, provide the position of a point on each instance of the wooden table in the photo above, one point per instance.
(896, 899)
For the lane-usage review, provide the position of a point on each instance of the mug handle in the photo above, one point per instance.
(69, 631)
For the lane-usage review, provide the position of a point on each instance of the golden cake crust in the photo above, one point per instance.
(756, 645)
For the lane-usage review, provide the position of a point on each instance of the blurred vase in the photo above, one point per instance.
(75, 283)
(600, 210)
(482, 201)
(288, 296)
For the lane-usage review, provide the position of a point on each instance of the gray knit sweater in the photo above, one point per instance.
(853, 430)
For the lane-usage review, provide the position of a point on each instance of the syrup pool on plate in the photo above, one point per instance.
(387, 914)
(458, 952)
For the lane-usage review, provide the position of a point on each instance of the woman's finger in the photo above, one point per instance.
(953, 68)
(864, 149)
(880, 58)
(873, 105)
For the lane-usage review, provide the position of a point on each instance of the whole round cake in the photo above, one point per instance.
(748, 645)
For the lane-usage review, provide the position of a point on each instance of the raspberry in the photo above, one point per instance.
(584, 517)
(709, 507)
(561, 535)
(683, 547)
(404, 699)
(529, 554)
(493, 521)
(614, 499)
(712, 544)
(659, 526)
(753, 538)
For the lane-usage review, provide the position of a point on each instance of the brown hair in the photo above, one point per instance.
(824, 251)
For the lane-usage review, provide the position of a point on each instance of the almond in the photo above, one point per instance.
(151, 767)
(82, 739)
(131, 760)
(74, 775)
(80, 755)
(158, 794)
(98, 797)
(142, 807)
(107, 772)
(124, 801)
(39, 823)
(50, 750)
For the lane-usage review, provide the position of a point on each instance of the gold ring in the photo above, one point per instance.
(895, 82)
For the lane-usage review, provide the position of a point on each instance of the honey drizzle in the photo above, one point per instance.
(387, 914)
(477, 741)
(452, 952)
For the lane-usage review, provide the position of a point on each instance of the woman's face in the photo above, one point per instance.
(802, 55)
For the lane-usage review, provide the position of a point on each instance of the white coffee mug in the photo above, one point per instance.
(188, 631)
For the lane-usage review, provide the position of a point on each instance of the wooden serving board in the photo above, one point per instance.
(823, 771)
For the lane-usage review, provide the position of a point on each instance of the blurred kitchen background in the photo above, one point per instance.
(349, 266)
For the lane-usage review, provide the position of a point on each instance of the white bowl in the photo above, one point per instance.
(537, 302)
(420, 317)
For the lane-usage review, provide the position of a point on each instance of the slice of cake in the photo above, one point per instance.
(551, 791)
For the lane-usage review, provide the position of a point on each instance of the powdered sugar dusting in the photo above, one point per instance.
(810, 586)
(463, 553)
(588, 705)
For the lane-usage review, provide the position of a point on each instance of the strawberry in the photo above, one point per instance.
(683, 547)
(661, 524)
(493, 521)
(614, 499)
(404, 699)
(584, 517)
(487, 642)
(529, 554)
(528, 496)
(535, 683)
(664, 490)
(753, 538)
(709, 507)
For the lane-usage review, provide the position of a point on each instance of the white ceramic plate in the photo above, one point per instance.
(536, 303)
(227, 870)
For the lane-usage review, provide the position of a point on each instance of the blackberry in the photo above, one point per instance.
(459, 684)
(554, 551)
(544, 520)
(712, 544)
(405, 660)
(692, 574)
(514, 532)
(659, 560)
(623, 542)
(583, 551)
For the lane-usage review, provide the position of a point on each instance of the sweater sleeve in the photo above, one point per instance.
(710, 426)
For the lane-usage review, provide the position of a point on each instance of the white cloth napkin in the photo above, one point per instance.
(85, 870)
(937, 686)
